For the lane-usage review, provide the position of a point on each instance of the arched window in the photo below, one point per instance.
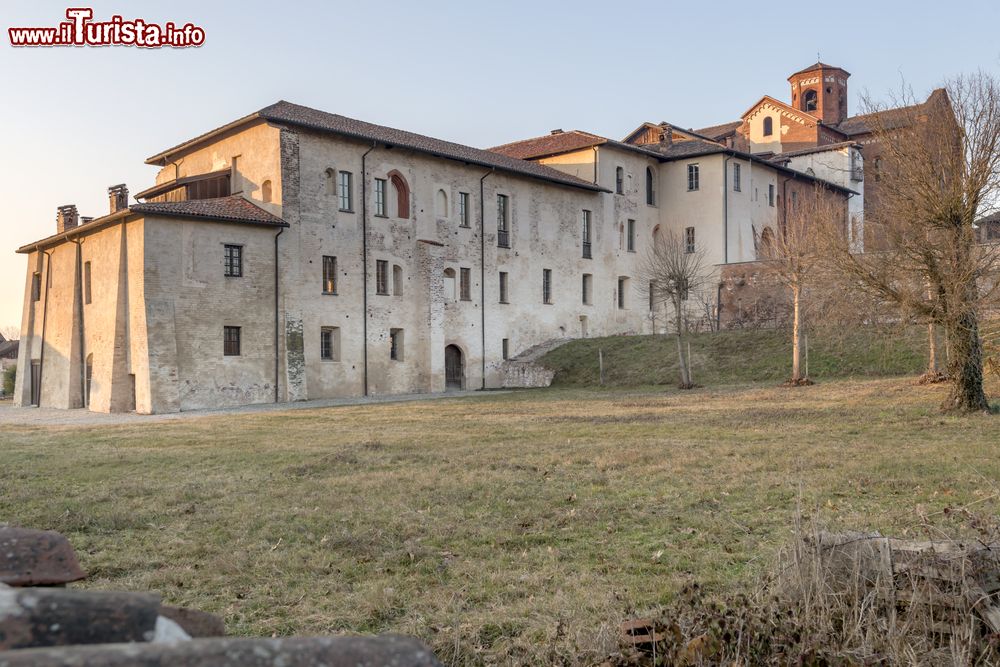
(441, 204)
(768, 126)
(265, 192)
(449, 284)
(620, 181)
(397, 280)
(809, 101)
(331, 181)
(402, 194)
(650, 187)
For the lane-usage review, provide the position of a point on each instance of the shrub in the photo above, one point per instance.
(9, 376)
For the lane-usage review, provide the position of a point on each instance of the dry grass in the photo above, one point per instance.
(514, 528)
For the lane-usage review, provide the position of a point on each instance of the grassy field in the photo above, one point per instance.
(732, 357)
(504, 528)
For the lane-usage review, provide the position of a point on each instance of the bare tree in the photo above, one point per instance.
(671, 272)
(793, 254)
(938, 171)
(10, 331)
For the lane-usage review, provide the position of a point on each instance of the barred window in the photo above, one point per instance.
(622, 289)
(465, 284)
(587, 253)
(329, 274)
(546, 285)
(381, 276)
(233, 259)
(503, 221)
(329, 343)
(631, 235)
(231, 341)
(736, 178)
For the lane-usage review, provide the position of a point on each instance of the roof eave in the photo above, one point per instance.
(360, 137)
(161, 158)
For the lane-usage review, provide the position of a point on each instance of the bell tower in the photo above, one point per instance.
(821, 90)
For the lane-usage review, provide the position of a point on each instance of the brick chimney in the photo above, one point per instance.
(66, 218)
(118, 197)
(666, 135)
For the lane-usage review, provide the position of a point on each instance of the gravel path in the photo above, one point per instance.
(9, 415)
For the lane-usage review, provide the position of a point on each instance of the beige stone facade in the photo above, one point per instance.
(449, 262)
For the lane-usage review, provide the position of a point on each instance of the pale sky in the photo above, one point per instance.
(76, 120)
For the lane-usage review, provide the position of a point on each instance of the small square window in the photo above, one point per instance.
(231, 341)
(329, 344)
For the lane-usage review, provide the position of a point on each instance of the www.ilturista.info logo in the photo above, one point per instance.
(79, 30)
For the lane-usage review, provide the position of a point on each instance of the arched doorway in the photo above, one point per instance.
(454, 368)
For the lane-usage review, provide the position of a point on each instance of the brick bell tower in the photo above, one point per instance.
(821, 90)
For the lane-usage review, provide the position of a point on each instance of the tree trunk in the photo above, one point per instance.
(685, 378)
(965, 366)
(932, 362)
(796, 335)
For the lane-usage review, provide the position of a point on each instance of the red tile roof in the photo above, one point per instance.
(227, 209)
(716, 132)
(550, 144)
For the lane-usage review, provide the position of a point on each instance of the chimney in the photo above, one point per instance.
(666, 134)
(118, 197)
(557, 131)
(66, 218)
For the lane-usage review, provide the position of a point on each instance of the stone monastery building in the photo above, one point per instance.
(296, 254)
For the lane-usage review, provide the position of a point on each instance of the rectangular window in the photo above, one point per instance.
(586, 235)
(736, 177)
(693, 177)
(770, 195)
(231, 341)
(346, 191)
(233, 261)
(652, 295)
(587, 289)
(86, 282)
(503, 221)
(546, 285)
(505, 348)
(463, 209)
(36, 286)
(396, 344)
(503, 287)
(622, 287)
(465, 284)
(689, 240)
(381, 276)
(329, 344)
(380, 197)
(329, 274)
(631, 235)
